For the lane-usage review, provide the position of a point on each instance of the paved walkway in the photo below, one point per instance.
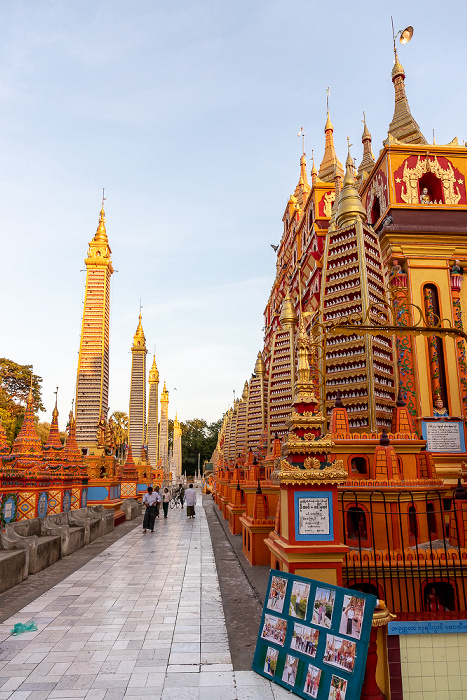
(143, 618)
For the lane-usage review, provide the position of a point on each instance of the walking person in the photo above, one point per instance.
(149, 500)
(190, 500)
(165, 501)
(158, 502)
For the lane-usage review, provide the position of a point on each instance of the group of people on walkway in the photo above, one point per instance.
(153, 499)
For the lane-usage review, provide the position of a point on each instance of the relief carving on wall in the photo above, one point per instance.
(378, 189)
(325, 203)
(407, 176)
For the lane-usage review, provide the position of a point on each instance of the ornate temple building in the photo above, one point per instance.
(164, 431)
(360, 389)
(137, 411)
(92, 388)
(152, 436)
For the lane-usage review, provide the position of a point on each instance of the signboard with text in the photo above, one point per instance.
(443, 436)
(313, 637)
(313, 516)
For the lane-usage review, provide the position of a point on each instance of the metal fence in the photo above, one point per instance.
(407, 548)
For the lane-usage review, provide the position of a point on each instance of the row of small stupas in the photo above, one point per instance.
(148, 430)
(38, 480)
(379, 246)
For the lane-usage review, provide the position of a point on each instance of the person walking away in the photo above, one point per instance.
(149, 500)
(190, 499)
(159, 500)
(165, 501)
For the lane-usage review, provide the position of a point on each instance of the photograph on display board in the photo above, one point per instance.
(270, 661)
(340, 652)
(277, 594)
(299, 599)
(290, 670)
(338, 689)
(323, 607)
(353, 610)
(305, 639)
(313, 677)
(274, 629)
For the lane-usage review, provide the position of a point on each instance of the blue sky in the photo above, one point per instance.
(187, 113)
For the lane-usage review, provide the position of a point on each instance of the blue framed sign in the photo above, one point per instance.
(42, 504)
(443, 435)
(66, 501)
(84, 498)
(314, 518)
(313, 637)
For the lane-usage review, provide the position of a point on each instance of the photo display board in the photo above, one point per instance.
(313, 637)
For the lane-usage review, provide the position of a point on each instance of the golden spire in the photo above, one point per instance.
(154, 373)
(139, 341)
(260, 367)
(164, 394)
(403, 127)
(53, 439)
(101, 233)
(288, 317)
(350, 205)
(314, 173)
(303, 177)
(368, 159)
(330, 160)
(245, 391)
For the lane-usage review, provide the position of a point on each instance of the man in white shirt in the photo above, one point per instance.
(190, 500)
(150, 500)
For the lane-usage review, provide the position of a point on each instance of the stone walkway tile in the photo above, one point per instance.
(219, 678)
(214, 693)
(132, 622)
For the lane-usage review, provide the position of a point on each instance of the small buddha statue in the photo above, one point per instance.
(396, 269)
(425, 197)
(439, 409)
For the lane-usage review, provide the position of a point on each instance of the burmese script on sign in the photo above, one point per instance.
(443, 437)
(313, 516)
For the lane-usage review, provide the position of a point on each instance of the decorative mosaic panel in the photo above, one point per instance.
(55, 502)
(75, 498)
(27, 505)
(129, 490)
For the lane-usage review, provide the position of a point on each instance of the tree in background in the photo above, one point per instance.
(198, 437)
(43, 429)
(120, 419)
(15, 381)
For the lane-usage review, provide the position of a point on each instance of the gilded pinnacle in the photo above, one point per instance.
(260, 367)
(154, 372)
(101, 233)
(350, 205)
(139, 341)
(288, 316)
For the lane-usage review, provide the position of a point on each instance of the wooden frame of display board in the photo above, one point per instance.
(313, 638)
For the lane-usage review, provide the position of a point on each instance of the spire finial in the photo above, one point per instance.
(56, 397)
(103, 198)
(302, 134)
(330, 160)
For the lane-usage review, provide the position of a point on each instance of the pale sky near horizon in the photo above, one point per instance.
(187, 113)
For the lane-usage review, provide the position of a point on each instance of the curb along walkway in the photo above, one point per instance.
(142, 619)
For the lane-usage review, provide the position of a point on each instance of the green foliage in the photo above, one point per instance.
(198, 437)
(15, 381)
